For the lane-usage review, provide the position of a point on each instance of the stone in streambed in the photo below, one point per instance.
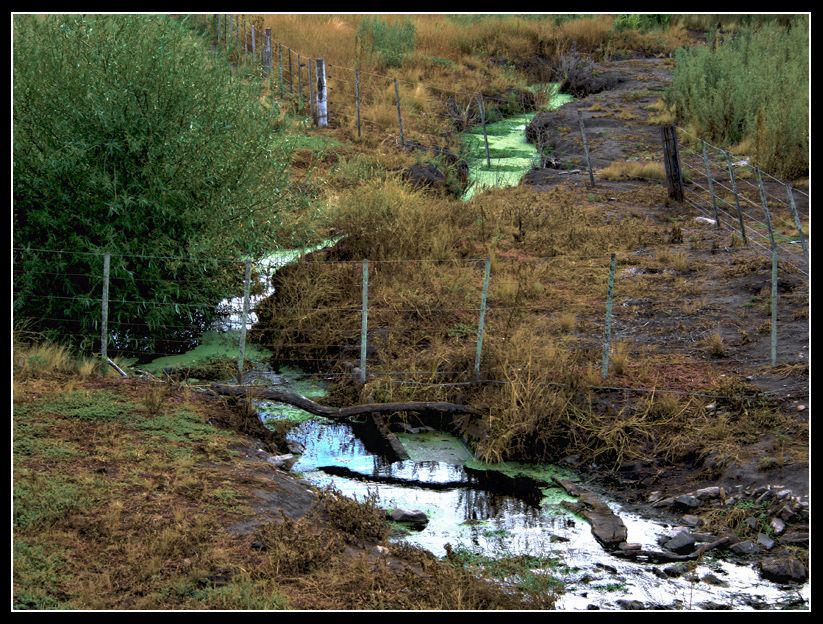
(686, 501)
(682, 543)
(415, 518)
(744, 548)
(783, 570)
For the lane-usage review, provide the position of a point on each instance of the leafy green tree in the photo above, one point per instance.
(131, 137)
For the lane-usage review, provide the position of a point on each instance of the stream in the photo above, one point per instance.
(474, 507)
(495, 510)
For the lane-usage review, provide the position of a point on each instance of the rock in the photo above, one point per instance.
(381, 550)
(659, 573)
(631, 605)
(752, 523)
(654, 496)
(295, 447)
(787, 514)
(783, 570)
(665, 502)
(676, 570)
(425, 176)
(686, 501)
(682, 543)
(606, 567)
(800, 408)
(258, 545)
(284, 462)
(795, 538)
(711, 579)
(710, 605)
(592, 607)
(691, 520)
(744, 548)
(415, 518)
(765, 541)
(629, 546)
(778, 526)
(783, 494)
(710, 493)
(554, 539)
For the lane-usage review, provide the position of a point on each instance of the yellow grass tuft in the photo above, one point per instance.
(633, 170)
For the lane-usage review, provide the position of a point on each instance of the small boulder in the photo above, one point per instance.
(686, 501)
(631, 605)
(783, 570)
(676, 570)
(710, 493)
(778, 526)
(682, 543)
(414, 518)
(425, 176)
(711, 579)
(795, 538)
(691, 520)
(744, 548)
(285, 462)
(765, 541)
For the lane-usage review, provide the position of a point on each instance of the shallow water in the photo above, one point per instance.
(469, 509)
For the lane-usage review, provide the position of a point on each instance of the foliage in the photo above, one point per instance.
(644, 22)
(131, 138)
(389, 42)
(755, 86)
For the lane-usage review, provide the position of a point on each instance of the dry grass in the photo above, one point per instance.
(715, 345)
(632, 170)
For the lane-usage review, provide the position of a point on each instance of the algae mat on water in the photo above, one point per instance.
(214, 346)
(510, 154)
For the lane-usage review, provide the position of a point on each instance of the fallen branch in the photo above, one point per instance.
(651, 556)
(298, 400)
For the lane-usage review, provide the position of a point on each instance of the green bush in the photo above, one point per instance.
(131, 137)
(754, 87)
(644, 22)
(389, 42)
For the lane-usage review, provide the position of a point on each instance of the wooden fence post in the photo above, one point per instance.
(216, 20)
(364, 322)
(399, 116)
(485, 134)
(736, 197)
(280, 69)
(245, 40)
(711, 185)
(671, 160)
(322, 95)
(357, 99)
(229, 33)
(245, 319)
(309, 63)
(585, 146)
(604, 369)
(104, 316)
(481, 325)
(267, 53)
(797, 222)
(291, 73)
(299, 84)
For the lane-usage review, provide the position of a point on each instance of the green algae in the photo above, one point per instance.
(214, 347)
(435, 446)
(511, 155)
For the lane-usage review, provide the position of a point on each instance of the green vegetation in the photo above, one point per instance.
(130, 137)
(388, 42)
(753, 87)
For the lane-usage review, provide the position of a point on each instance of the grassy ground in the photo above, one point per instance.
(130, 494)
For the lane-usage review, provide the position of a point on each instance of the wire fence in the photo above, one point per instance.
(365, 331)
